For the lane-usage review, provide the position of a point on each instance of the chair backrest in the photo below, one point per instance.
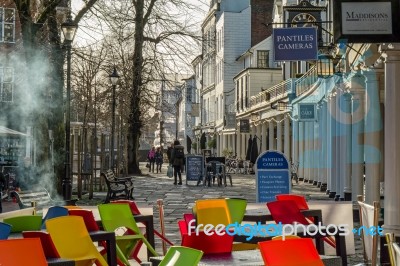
(53, 212)
(300, 200)
(134, 208)
(181, 256)
(50, 250)
(5, 230)
(209, 244)
(290, 252)
(286, 212)
(212, 211)
(24, 223)
(114, 216)
(237, 209)
(369, 215)
(72, 239)
(88, 218)
(396, 254)
(23, 251)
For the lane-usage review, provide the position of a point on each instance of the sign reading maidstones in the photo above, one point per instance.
(272, 176)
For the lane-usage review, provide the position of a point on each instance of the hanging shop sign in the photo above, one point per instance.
(295, 44)
(367, 21)
(307, 112)
(244, 126)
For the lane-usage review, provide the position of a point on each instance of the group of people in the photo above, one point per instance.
(176, 159)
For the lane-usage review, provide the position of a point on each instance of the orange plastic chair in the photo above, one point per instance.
(72, 240)
(287, 212)
(212, 211)
(290, 252)
(49, 248)
(23, 251)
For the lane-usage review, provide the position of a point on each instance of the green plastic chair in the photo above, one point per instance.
(181, 256)
(24, 223)
(237, 209)
(117, 216)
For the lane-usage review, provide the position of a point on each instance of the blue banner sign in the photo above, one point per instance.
(194, 167)
(272, 176)
(307, 112)
(295, 44)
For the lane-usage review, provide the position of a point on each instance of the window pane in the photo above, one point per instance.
(8, 74)
(9, 15)
(7, 92)
(8, 32)
(262, 59)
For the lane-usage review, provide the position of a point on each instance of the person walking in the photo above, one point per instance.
(151, 156)
(177, 160)
(159, 159)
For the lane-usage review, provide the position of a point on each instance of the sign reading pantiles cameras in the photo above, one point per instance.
(295, 44)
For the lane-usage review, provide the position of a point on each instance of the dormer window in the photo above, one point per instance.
(7, 26)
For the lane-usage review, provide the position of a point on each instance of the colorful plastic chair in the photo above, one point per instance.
(50, 250)
(181, 256)
(237, 209)
(116, 216)
(91, 226)
(209, 244)
(300, 201)
(72, 240)
(24, 223)
(5, 230)
(287, 212)
(290, 252)
(135, 211)
(212, 211)
(22, 251)
(53, 212)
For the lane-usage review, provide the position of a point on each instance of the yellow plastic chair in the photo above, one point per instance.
(24, 223)
(115, 217)
(181, 256)
(212, 211)
(72, 240)
(23, 251)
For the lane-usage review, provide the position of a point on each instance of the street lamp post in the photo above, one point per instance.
(113, 79)
(69, 30)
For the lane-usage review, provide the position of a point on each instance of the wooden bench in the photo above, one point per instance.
(117, 187)
(40, 197)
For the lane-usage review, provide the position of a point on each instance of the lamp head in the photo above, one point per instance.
(114, 77)
(69, 28)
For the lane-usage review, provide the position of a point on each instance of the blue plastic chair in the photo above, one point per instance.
(5, 230)
(53, 212)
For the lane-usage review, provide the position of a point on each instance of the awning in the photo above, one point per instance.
(7, 132)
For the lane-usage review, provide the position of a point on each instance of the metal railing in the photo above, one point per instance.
(272, 94)
(304, 83)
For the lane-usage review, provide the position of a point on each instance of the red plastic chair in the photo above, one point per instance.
(287, 212)
(23, 251)
(50, 250)
(209, 244)
(290, 252)
(300, 201)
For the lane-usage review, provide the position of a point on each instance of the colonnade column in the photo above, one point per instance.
(392, 139)
(286, 138)
(263, 136)
(323, 147)
(332, 147)
(373, 129)
(301, 151)
(345, 146)
(357, 136)
(271, 135)
(279, 134)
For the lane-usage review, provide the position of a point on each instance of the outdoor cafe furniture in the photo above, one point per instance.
(73, 241)
(22, 252)
(181, 256)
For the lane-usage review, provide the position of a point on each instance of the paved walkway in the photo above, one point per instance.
(179, 199)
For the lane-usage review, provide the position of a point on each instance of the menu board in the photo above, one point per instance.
(194, 167)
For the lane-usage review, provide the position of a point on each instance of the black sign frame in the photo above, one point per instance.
(194, 162)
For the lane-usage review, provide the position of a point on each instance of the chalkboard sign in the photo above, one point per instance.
(194, 167)
(272, 176)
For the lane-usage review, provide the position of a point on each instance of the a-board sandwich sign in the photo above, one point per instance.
(194, 167)
(272, 176)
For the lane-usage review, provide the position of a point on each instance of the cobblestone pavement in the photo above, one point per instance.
(179, 199)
